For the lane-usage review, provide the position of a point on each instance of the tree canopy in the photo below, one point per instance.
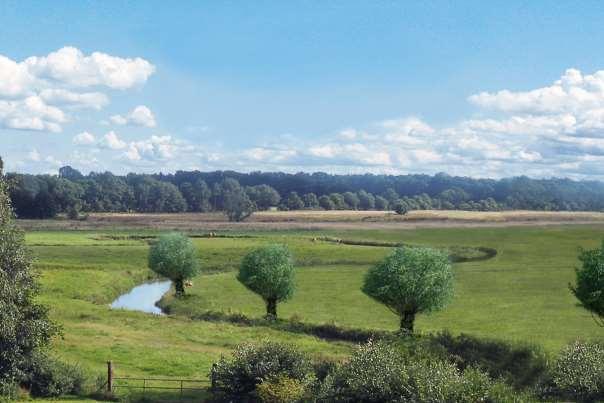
(24, 324)
(411, 281)
(589, 288)
(174, 256)
(269, 272)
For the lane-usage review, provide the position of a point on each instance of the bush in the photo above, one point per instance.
(280, 389)
(519, 364)
(49, 377)
(252, 365)
(579, 371)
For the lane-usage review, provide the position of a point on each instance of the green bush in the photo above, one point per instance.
(49, 377)
(579, 371)
(252, 365)
(521, 365)
(281, 389)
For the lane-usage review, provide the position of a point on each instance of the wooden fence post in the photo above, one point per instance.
(109, 377)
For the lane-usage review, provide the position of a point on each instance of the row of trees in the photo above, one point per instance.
(408, 282)
(237, 194)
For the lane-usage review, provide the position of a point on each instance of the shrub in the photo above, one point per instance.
(521, 365)
(49, 377)
(280, 389)
(253, 364)
(590, 282)
(579, 371)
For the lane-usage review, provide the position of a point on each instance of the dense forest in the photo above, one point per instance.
(239, 194)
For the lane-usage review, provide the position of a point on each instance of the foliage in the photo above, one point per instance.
(589, 289)
(268, 271)
(281, 389)
(294, 202)
(411, 281)
(579, 371)
(236, 203)
(49, 377)
(24, 324)
(253, 364)
(263, 196)
(174, 256)
(326, 203)
(521, 365)
(400, 207)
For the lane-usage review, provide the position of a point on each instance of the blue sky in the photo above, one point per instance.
(346, 87)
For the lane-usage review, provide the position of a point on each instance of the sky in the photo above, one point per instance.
(471, 88)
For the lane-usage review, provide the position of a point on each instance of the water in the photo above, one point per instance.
(143, 297)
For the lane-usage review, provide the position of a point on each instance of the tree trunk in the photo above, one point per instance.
(407, 320)
(180, 287)
(271, 308)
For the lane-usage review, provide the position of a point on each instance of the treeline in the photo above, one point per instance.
(239, 194)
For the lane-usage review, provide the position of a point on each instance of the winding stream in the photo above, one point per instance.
(143, 297)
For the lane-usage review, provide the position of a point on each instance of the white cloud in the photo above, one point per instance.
(153, 148)
(31, 113)
(58, 96)
(139, 116)
(84, 138)
(34, 155)
(36, 92)
(112, 141)
(70, 66)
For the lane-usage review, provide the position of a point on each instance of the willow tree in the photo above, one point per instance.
(174, 256)
(589, 288)
(269, 272)
(24, 324)
(411, 281)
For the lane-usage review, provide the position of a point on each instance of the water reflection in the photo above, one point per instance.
(143, 297)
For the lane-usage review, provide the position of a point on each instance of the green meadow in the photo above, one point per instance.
(521, 294)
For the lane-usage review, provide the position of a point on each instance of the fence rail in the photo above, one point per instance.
(113, 383)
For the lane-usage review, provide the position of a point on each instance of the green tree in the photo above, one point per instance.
(174, 256)
(236, 203)
(338, 201)
(269, 272)
(366, 200)
(352, 200)
(400, 207)
(310, 201)
(326, 203)
(294, 202)
(589, 289)
(263, 196)
(381, 203)
(24, 324)
(411, 281)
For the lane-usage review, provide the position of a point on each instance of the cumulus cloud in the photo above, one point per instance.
(139, 116)
(36, 92)
(156, 148)
(112, 141)
(70, 66)
(84, 138)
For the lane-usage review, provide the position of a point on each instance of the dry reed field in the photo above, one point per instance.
(310, 219)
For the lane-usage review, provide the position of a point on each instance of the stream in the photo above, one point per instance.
(143, 297)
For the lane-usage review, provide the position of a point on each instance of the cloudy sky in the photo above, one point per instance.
(510, 89)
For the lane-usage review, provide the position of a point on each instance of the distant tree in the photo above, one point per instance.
(338, 201)
(400, 207)
(381, 203)
(589, 288)
(390, 195)
(294, 202)
(69, 173)
(352, 200)
(197, 195)
(326, 203)
(174, 256)
(263, 196)
(455, 196)
(24, 324)
(269, 272)
(310, 201)
(411, 281)
(366, 200)
(236, 203)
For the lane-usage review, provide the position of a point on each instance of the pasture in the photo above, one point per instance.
(520, 294)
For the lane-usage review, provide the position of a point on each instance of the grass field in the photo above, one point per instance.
(520, 294)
